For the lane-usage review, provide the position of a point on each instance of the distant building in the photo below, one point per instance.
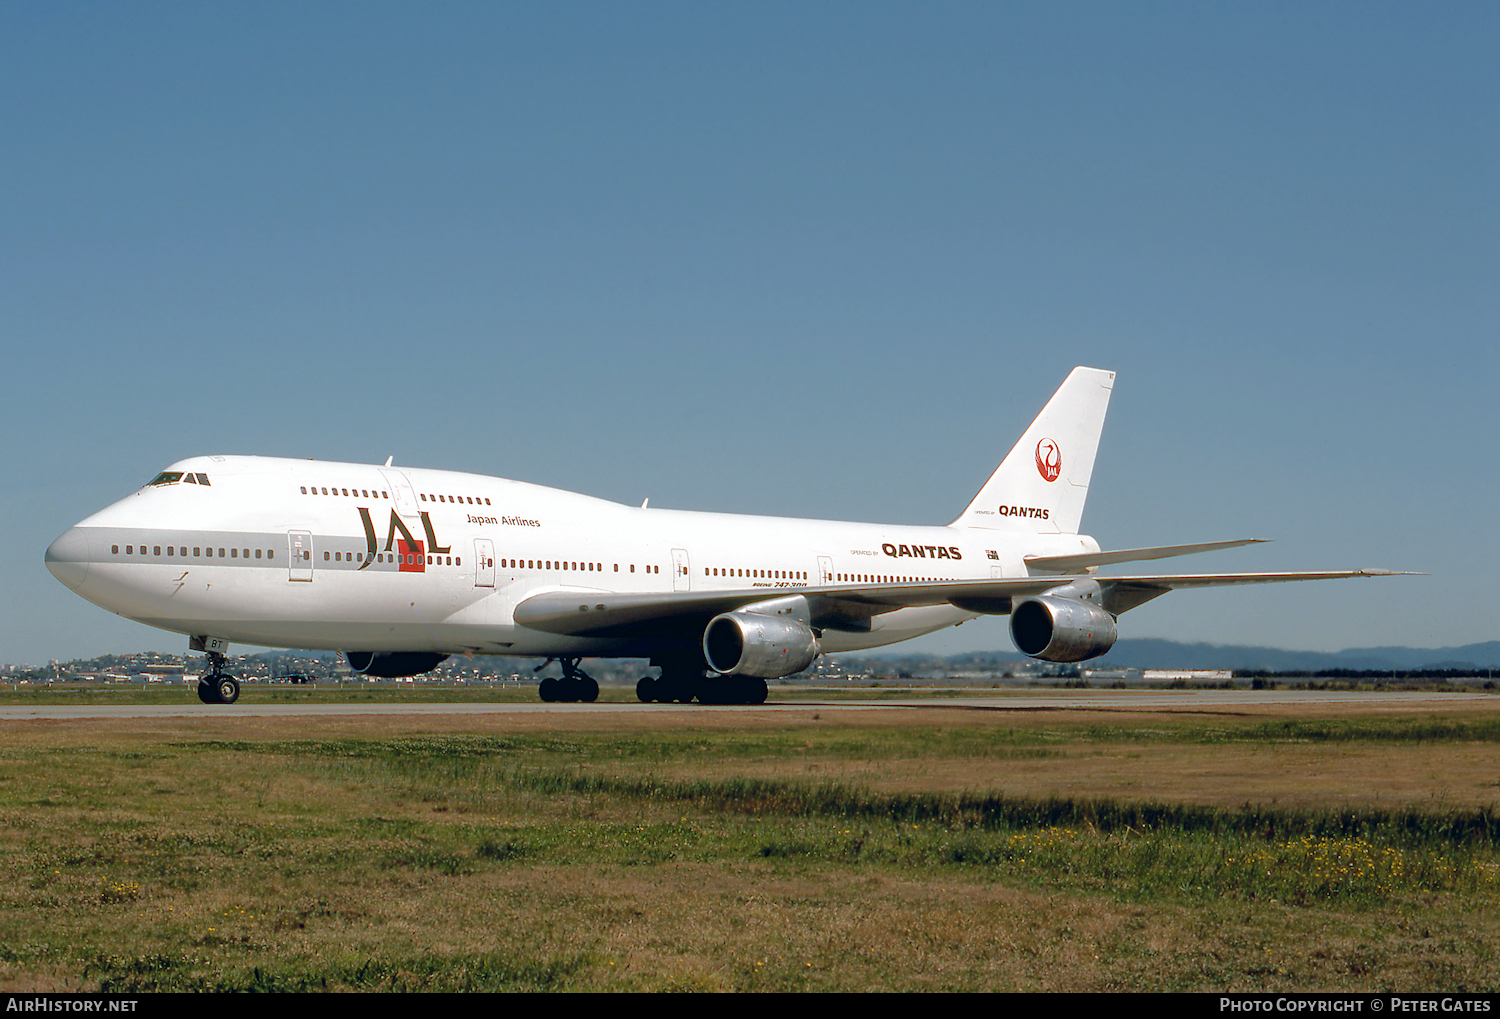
(1196, 675)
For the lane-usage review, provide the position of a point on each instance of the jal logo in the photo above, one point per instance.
(410, 551)
(1048, 460)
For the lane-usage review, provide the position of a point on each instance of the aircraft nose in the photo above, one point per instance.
(68, 557)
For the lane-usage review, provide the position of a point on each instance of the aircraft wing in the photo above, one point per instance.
(586, 612)
(1084, 561)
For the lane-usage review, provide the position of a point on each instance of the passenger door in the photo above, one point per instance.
(484, 569)
(299, 555)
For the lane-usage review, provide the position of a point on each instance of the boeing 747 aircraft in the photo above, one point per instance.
(399, 568)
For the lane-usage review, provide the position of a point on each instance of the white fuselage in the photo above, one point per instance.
(406, 559)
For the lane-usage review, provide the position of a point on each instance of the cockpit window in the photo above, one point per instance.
(173, 477)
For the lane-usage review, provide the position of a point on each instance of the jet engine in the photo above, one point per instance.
(393, 664)
(1061, 629)
(758, 644)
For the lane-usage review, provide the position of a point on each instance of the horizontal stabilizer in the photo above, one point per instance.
(1076, 563)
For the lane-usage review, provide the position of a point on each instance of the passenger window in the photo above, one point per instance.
(325, 557)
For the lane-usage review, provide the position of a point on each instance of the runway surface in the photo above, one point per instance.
(1175, 700)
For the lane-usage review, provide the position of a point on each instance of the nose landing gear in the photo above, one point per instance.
(218, 686)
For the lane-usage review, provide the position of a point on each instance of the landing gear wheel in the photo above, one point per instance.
(733, 690)
(645, 689)
(677, 687)
(218, 687)
(575, 684)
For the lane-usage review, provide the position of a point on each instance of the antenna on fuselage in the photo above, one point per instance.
(389, 459)
(645, 502)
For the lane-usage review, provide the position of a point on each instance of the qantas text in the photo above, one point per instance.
(922, 551)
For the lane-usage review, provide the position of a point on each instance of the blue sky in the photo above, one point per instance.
(801, 259)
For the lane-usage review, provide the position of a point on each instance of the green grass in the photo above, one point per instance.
(572, 861)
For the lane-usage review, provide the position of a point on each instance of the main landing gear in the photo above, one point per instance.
(684, 679)
(218, 686)
(575, 684)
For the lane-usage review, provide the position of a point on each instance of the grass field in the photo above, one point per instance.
(821, 850)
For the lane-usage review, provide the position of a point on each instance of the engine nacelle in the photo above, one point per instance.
(1061, 629)
(759, 645)
(393, 664)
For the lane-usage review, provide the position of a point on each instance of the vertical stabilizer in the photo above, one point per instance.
(1041, 485)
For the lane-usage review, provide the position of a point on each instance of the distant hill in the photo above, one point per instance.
(1171, 654)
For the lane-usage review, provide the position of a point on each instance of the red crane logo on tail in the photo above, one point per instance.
(1048, 460)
